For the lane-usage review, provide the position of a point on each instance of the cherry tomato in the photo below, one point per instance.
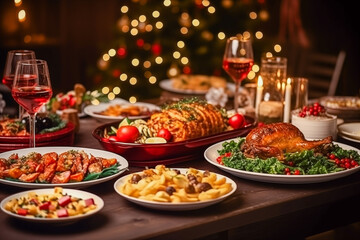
(127, 134)
(237, 121)
(164, 133)
(113, 139)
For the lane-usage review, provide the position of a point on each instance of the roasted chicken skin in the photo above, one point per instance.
(275, 139)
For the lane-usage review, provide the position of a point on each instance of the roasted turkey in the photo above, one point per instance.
(275, 139)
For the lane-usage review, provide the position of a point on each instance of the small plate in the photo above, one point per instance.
(211, 153)
(42, 150)
(76, 193)
(167, 85)
(92, 110)
(349, 138)
(80, 115)
(175, 206)
(351, 130)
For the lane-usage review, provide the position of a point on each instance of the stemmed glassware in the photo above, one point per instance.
(238, 61)
(12, 58)
(32, 89)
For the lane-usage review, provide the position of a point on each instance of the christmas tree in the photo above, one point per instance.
(156, 40)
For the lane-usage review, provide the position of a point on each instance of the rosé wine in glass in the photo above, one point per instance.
(237, 62)
(12, 58)
(32, 89)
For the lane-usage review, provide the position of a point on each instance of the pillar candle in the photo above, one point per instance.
(259, 91)
(287, 106)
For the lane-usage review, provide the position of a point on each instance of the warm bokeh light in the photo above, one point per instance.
(124, 9)
(184, 60)
(135, 62)
(268, 54)
(259, 35)
(106, 57)
(134, 23)
(277, 48)
(246, 35)
(251, 75)
(147, 64)
(195, 22)
(132, 99)
(116, 90)
(180, 44)
(152, 80)
(159, 25)
(211, 10)
(167, 3)
(264, 15)
(255, 68)
(184, 30)
(142, 18)
(17, 3)
(253, 15)
(221, 35)
(133, 81)
(105, 90)
(148, 28)
(147, 74)
(134, 31)
(156, 14)
(111, 96)
(159, 60)
(112, 52)
(123, 77)
(22, 16)
(176, 55)
(205, 3)
(173, 71)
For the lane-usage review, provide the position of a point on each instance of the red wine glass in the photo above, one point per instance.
(238, 61)
(12, 58)
(32, 89)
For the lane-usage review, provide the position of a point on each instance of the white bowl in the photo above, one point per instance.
(315, 127)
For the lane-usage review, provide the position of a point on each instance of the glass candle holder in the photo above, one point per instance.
(270, 106)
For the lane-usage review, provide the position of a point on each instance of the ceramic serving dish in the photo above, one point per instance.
(172, 152)
(314, 127)
(62, 137)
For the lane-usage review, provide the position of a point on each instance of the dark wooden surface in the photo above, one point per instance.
(255, 211)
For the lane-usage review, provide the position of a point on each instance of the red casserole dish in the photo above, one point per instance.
(62, 137)
(173, 152)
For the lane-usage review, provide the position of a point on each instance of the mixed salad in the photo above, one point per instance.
(299, 163)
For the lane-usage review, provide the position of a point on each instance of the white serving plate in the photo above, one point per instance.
(211, 153)
(73, 192)
(91, 110)
(42, 150)
(166, 84)
(174, 206)
(351, 130)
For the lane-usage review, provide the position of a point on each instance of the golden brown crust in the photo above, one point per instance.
(188, 120)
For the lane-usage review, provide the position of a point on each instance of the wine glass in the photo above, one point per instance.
(32, 89)
(12, 58)
(238, 61)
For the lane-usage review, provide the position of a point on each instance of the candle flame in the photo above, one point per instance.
(260, 82)
(288, 81)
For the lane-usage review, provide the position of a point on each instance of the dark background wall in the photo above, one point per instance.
(70, 35)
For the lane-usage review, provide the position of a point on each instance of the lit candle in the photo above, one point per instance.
(287, 101)
(259, 91)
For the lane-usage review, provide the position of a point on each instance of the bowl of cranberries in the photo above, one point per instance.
(314, 122)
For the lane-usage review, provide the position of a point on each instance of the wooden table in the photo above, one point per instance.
(256, 211)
